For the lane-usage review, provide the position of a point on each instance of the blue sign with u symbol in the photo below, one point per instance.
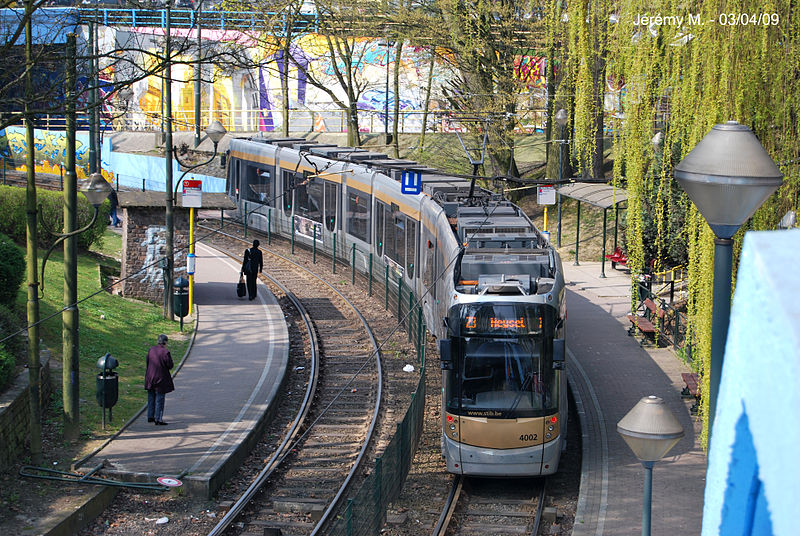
(411, 182)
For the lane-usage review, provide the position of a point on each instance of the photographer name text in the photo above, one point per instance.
(695, 19)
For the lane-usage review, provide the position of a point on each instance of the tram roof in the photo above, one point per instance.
(598, 195)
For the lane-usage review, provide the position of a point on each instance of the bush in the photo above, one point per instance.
(12, 270)
(7, 366)
(51, 206)
(11, 323)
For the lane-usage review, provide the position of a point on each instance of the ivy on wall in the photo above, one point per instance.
(681, 77)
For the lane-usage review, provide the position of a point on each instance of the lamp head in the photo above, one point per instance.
(215, 131)
(650, 429)
(96, 188)
(728, 175)
(561, 117)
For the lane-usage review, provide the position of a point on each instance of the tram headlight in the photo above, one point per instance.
(548, 435)
(452, 426)
(550, 428)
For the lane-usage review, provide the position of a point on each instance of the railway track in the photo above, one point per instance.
(492, 506)
(302, 484)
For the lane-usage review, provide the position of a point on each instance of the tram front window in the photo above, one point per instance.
(503, 377)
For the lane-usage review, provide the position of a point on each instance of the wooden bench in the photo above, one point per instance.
(642, 323)
(692, 389)
(655, 310)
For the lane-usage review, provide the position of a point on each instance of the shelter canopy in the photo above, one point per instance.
(598, 195)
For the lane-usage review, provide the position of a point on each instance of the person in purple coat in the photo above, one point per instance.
(157, 380)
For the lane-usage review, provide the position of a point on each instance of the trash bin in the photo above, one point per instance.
(180, 298)
(107, 384)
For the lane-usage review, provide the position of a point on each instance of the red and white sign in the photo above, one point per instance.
(546, 194)
(169, 482)
(192, 193)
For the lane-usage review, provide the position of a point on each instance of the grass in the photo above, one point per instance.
(107, 323)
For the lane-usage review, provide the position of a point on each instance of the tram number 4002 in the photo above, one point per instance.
(528, 437)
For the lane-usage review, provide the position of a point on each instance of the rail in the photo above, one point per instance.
(366, 508)
(295, 428)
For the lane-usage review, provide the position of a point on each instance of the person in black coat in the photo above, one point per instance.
(112, 198)
(157, 380)
(251, 266)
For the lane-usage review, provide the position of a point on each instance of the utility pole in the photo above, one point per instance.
(197, 74)
(69, 316)
(92, 105)
(170, 254)
(32, 260)
(95, 63)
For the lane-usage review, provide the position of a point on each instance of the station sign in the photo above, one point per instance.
(546, 194)
(411, 182)
(192, 193)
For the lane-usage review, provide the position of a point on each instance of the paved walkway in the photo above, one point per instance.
(223, 390)
(610, 372)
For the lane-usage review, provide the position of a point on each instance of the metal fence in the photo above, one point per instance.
(300, 120)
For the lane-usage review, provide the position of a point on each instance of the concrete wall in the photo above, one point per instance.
(144, 242)
(15, 413)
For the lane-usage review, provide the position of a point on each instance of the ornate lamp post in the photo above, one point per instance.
(727, 175)
(215, 132)
(95, 189)
(650, 430)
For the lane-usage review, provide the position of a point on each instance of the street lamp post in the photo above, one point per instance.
(727, 175)
(215, 132)
(95, 189)
(561, 119)
(650, 430)
(388, 137)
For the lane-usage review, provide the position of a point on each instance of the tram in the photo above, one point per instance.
(491, 284)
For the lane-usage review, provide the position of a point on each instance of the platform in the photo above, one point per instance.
(609, 372)
(224, 391)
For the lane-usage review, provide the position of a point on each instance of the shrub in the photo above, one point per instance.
(12, 270)
(7, 366)
(51, 212)
(11, 323)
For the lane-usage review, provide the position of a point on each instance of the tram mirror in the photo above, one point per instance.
(559, 353)
(445, 354)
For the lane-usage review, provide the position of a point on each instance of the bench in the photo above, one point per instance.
(642, 323)
(692, 389)
(655, 310)
(617, 257)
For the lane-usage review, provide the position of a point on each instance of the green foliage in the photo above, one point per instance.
(12, 270)
(7, 365)
(51, 212)
(11, 323)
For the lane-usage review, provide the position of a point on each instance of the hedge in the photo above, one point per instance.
(51, 212)
(12, 270)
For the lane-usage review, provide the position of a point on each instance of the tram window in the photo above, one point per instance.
(289, 181)
(358, 214)
(430, 250)
(380, 217)
(331, 205)
(507, 376)
(308, 199)
(258, 185)
(411, 252)
(389, 241)
(400, 238)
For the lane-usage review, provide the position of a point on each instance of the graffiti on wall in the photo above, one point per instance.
(50, 150)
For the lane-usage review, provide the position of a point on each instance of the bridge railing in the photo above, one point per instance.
(187, 18)
(300, 120)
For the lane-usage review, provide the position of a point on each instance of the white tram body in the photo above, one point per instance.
(492, 286)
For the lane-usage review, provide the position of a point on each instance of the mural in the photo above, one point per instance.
(50, 150)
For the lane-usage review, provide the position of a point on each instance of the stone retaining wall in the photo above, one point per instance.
(15, 413)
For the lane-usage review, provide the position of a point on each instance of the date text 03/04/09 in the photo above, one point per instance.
(695, 19)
